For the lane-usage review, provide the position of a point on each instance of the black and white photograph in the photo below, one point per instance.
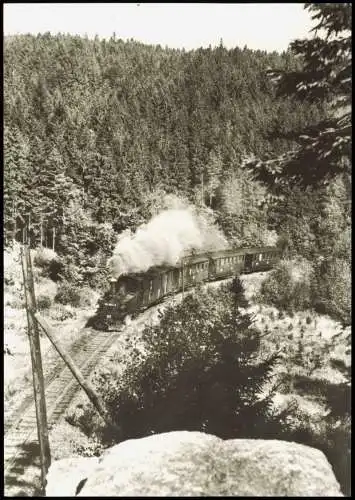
(177, 249)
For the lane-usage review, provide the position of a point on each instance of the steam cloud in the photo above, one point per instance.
(168, 236)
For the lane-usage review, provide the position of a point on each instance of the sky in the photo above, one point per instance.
(264, 26)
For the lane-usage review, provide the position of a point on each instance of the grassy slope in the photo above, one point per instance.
(320, 334)
(67, 320)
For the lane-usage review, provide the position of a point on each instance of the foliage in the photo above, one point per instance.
(200, 369)
(43, 257)
(288, 287)
(67, 441)
(68, 294)
(298, 285)
(12, 265)
(239, 208)
(331, 289)
(313, 387)
(330, 435)
(43, 302)
(324, 150)
(49, 263)
(62, 312)
(315, 224)
(102, 124)
(84, 245)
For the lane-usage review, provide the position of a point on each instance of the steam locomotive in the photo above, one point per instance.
(130, 294)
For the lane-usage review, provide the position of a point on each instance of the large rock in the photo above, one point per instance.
(196, 464)
(66, 476)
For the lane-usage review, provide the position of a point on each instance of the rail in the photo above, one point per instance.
(20, 440)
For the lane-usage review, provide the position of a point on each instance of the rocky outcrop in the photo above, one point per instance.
(196, 464)
(66, 476)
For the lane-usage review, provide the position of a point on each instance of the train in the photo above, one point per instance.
(132, 293)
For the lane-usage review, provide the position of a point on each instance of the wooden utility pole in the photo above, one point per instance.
(37, 371)
(90, 391)
(53, 241)
(202, 191)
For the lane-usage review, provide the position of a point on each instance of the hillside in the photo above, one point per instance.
(107, 122)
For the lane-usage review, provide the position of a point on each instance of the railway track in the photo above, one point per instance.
(21, 453)
(21, 450)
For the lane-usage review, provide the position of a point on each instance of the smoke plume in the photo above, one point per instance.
(171, 234)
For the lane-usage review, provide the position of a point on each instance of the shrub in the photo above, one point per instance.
(330, 434)
(331, 287)
(61, 313)
(12, 265)
(16, 301)
(43, 302)
(46, 287)
(43, 256)
(88, 297)
(288, 286)
(68, 294)
(68, 441)
(336, 445)
(49, 263)
(201, 371)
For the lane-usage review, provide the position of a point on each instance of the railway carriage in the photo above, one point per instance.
(193, 270)
(226, 263)
(260, 259)
(130, 294)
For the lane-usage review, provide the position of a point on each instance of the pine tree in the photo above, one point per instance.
(324, 149)
(214, 169)
(202, 371)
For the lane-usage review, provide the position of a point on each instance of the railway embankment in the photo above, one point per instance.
(314, 348)
(315, 357)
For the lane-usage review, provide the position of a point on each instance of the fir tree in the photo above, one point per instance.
(202, 371)
(324, 149)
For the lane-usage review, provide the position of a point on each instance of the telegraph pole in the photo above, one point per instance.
(37, 371)
(90, 391)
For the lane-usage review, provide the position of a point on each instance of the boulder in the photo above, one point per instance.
(185, 463)
(65, 476)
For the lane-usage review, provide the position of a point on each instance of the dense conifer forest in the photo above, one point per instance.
(111, 121)
(97, 131)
